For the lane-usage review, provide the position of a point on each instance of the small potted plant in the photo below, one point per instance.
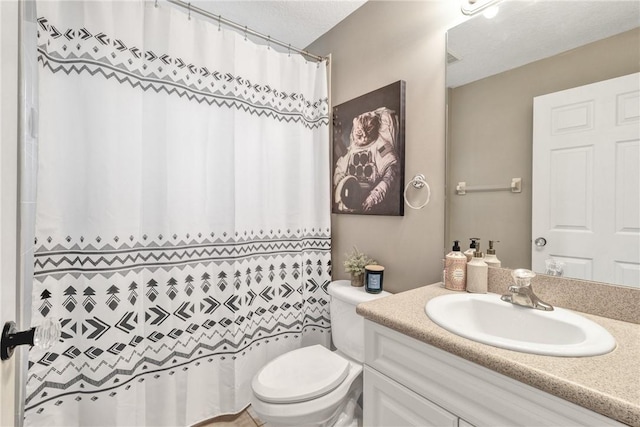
(355, 263)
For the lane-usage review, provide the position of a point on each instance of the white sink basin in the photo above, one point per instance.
(487, 319)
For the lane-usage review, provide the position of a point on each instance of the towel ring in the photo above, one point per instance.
(418, 182)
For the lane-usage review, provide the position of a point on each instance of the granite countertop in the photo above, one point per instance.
(608, 384)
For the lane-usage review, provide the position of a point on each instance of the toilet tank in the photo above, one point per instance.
(347, 327)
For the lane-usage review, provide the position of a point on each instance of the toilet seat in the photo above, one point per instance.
(300, 375)
(315, 412)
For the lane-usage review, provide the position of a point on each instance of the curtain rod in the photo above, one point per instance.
(243, 28)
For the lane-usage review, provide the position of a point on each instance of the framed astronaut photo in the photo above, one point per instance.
(368, 153)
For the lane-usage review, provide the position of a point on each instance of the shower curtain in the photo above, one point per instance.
(182, 219)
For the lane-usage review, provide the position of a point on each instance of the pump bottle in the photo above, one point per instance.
(490, 258)
(472, 248)
(455, 269)
(477, 273)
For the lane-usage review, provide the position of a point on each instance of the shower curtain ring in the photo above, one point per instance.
(269, 42)
(189, 9)
(289, 50)
(219, 19)
(156, 4)
(245, 33)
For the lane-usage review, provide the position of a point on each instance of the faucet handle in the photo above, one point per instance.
(522, 276)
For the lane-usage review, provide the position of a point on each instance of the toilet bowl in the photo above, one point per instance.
(313, 386)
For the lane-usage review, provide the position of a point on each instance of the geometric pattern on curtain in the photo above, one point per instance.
(108, 56)
(166, 316)
(201, 310)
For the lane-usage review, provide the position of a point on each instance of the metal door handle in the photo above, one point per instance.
(540, 242)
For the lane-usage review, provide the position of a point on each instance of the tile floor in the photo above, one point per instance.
(246, 418)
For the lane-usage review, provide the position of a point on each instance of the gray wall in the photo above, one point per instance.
(490, 132)
(381, 43)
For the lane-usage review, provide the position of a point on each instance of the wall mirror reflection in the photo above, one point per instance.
(495, 69)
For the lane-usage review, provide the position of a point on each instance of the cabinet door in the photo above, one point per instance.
(387, 403)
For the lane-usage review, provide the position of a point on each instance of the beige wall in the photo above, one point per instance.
(491, 135)
(381, 43)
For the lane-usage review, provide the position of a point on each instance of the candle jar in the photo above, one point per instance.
(373, 275)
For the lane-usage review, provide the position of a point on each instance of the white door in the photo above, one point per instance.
(586, 181)
(8, 193)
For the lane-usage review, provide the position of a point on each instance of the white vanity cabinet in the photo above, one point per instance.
(410, 383)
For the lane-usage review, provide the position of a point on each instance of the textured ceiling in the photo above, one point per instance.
(526, 31)
(290, 21)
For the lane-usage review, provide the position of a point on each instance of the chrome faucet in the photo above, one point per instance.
(522, 294)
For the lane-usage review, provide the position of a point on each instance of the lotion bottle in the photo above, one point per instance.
(490, 258)
(472, 248)
(455, 269)
(477, 273)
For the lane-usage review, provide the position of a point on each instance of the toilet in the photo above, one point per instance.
(314, 386)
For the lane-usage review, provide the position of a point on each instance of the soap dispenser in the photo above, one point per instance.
(477, 273)
(490, 258)
(472, 248)
(455, 269)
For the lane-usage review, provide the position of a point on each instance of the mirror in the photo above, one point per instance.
(495, 67)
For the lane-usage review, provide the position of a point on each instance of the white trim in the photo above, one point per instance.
(9, 77)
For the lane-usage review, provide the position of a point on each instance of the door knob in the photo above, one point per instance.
(540, 242)
(42, 336)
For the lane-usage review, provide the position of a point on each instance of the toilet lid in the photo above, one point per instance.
(300, 375)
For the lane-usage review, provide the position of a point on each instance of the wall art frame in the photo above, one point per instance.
(368, 153)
